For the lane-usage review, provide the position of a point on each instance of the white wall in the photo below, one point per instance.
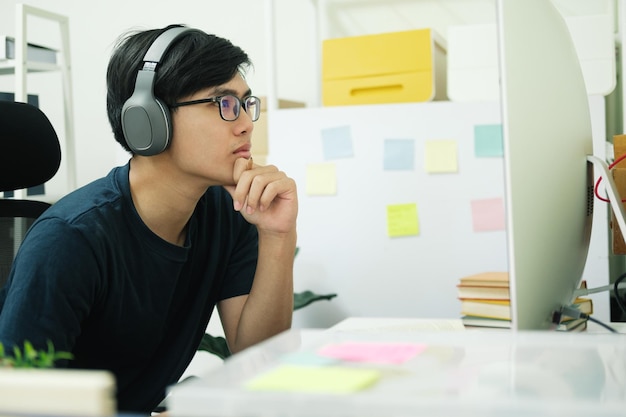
(94, 28)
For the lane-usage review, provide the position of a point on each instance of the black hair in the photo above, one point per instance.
(195, 61)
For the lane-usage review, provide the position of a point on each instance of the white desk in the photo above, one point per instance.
(374, 325)
(468, 373)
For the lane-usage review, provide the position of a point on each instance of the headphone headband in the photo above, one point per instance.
(162, 43)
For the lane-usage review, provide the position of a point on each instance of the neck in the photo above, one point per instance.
(163, 205)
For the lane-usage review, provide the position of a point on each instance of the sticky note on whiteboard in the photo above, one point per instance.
(337, 142)
(488, 214)
(399, 154)
(488, 141)
(402, 220)
(321, 179)
(441, 156)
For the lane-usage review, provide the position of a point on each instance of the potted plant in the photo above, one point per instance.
(29, 357)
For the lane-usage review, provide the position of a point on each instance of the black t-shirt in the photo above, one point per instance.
(92, 278)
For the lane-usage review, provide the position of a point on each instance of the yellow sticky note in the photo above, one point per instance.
(441, 156)
(321, 179)
(329, 379)
(402, 220)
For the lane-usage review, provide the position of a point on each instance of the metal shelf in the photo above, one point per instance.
(20, 68)
(8, 67)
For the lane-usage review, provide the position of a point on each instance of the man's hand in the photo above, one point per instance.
(265, 196)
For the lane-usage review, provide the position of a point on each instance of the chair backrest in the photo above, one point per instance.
(30, 154)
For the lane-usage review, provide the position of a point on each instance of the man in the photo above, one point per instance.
(125, 272)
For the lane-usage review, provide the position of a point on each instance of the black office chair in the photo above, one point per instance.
(30, 155)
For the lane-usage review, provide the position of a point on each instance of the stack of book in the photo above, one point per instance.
(486, 302)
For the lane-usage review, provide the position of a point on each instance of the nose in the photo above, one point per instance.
(244, 123)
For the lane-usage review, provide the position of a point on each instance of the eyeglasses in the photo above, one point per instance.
(230, 106)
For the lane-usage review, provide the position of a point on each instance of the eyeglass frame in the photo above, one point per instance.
(218, 100)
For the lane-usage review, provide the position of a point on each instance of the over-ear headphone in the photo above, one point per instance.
(146, 119)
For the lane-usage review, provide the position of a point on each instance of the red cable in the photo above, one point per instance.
(617, 161)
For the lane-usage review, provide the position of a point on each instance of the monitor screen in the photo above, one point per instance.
(548, 180)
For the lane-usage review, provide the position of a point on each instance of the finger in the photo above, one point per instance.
(241, 165)
(263, 190)
(278, 189)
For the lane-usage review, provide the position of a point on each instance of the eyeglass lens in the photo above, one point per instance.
(230, 106)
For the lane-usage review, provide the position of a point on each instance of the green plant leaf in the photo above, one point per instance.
(216, 345)
(17, 357)
(30, 354)
(305, 298)
(29, 357)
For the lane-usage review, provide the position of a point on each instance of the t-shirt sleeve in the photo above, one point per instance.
(52, 285)
(242, 263)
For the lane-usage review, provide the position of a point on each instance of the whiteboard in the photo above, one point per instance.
(344, 244)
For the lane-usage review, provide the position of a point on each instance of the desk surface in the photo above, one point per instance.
(454, 372)
(385, 324)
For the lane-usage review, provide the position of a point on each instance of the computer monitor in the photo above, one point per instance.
(548, 178)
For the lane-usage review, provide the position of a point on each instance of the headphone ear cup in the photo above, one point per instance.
(146, 122)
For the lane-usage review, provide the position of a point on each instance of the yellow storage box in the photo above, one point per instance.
(396, 67)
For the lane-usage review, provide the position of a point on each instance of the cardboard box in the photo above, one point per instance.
(57, 392)
(473, 73)
(619, 176)
(395, 67)
(260, 140)
(472, 66)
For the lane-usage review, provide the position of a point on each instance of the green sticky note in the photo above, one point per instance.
(488, 141)
(328, 379)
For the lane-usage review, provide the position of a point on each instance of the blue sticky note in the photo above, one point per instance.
(488, 140)
(399, 154)
(337, 142)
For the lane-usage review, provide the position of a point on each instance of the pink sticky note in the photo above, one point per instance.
(488, 214)
(394, 353)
